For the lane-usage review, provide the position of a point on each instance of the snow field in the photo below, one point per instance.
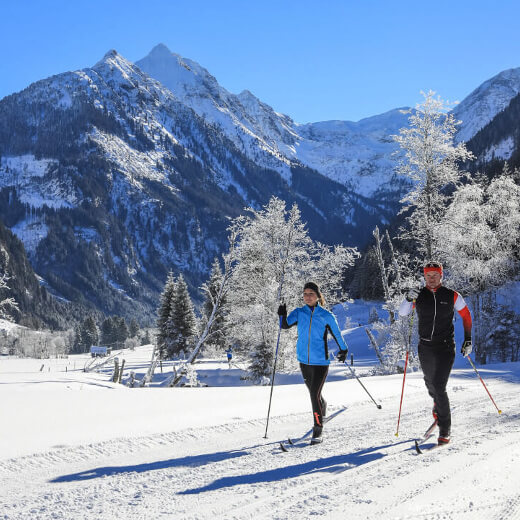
(78, 446)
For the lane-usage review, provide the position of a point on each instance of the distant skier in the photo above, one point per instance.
(229, 353)
(314, 322)
(435, 306)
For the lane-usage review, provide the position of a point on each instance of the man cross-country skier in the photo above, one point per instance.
(314, 323)
(435, 306)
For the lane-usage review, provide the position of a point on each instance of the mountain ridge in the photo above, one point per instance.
(111, 178)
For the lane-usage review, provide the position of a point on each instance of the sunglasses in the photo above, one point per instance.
(433, 264)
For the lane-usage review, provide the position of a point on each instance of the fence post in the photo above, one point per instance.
(116, 370)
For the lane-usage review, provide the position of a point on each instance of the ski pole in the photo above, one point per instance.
(484, 384)
(272, 378)
(359, 381)
(402, 394)
(405, 367)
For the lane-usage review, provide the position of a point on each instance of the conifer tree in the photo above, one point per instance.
(121, 331)
(133, 328)
(182, 319)
(260, 362)
(164, 316)
(145, 339)
(77, 346)
(89, 333)
(108, 336)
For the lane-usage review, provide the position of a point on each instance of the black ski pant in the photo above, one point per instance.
(314, 377)
(436, 363)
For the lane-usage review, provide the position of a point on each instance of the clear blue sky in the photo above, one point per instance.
(313, 60)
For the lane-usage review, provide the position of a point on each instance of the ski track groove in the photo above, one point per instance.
(153, 492)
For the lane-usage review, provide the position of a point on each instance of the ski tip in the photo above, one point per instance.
(417, 449)
(289, 440)
(283, 448)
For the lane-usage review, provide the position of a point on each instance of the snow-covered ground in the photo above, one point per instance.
(76, 446)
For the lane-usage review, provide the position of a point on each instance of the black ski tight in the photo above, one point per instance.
(314, 377)
(436, 363)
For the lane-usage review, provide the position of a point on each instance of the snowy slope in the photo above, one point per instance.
(254, 127)
(142, 183)
(357, 154)
(354, 154)
(104, 451)
(485, 102)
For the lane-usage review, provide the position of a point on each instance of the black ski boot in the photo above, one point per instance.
(316, 435)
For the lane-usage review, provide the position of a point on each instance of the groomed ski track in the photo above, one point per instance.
(230, 472)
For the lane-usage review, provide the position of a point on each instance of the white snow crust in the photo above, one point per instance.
(75, 445)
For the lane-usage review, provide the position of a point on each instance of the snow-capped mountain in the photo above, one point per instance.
(111, 180)
(498, 141)
(115, 174)
(485, 102)
(357, 155)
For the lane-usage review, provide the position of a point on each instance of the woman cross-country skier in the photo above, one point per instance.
(314, 323)
(435, 306)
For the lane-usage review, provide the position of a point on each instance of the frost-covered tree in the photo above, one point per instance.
(183, 323)
(429, 157)
(393, 338)
(276, 257)
(503, 332)
(131, 343)
(145, 338)
(217, 331)
(7, 304)
(373, 316)
(481, 230)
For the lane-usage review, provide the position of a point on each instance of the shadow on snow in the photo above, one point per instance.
(333, 464)
(330, 464)
(195, 461)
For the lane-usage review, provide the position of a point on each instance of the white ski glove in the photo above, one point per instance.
(466, 348)
(412, 294)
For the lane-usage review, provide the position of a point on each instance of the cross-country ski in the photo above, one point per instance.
(293, 442)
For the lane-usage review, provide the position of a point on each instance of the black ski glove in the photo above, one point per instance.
(282, 310)
(342, 355)
(466, 348)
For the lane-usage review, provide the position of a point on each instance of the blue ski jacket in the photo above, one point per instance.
(314, 324)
